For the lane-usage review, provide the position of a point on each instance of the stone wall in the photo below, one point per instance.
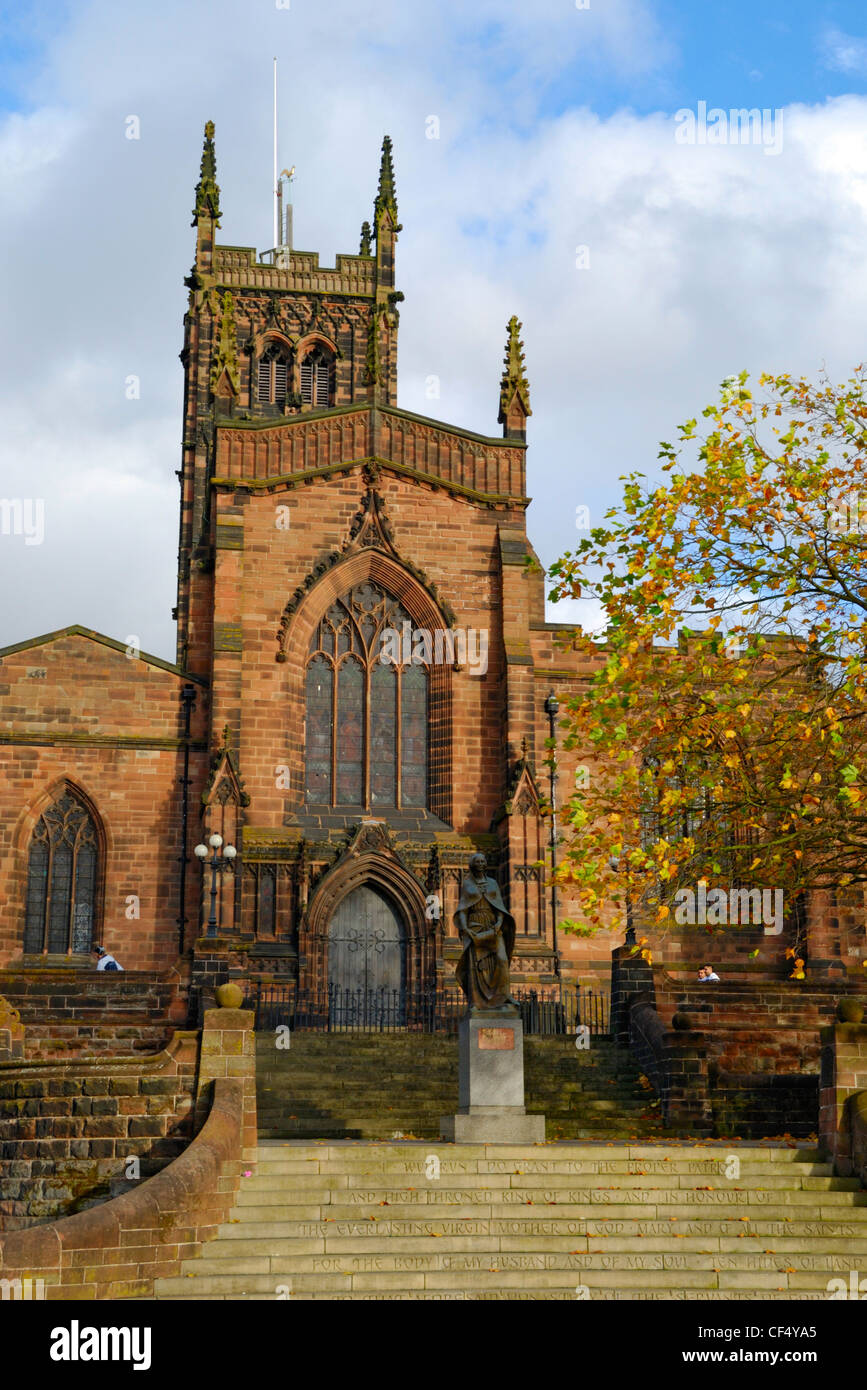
(68, 1129)
(78, 710)
(118, 1249)
(739, 1058)
(229, 1053)
(11, 1033)
(843, 1097)
(87, 1013)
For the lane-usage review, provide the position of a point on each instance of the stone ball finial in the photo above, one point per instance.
(229, 996)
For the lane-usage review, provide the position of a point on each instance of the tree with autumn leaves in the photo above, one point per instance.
(726, 718)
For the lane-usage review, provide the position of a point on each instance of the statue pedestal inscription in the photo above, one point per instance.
(491, 1084)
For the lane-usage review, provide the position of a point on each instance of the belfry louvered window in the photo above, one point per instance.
(367, 719)
(272, 382)
(317, 378)
(62, 878)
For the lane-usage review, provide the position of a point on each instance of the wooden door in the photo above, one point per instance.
(366, 963)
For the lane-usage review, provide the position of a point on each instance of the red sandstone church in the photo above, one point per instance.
(317, 519)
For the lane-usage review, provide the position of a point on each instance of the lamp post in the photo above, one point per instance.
(201, 852)
(629, 939)
(552, 708)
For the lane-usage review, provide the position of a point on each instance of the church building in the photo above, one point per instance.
(358, 697)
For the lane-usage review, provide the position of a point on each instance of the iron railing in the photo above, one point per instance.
(344, 1010)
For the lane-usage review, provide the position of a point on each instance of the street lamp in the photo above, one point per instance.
(616, 865)
(552, 709)
(201, 852)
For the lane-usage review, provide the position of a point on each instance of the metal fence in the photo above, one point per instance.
(339, 1010)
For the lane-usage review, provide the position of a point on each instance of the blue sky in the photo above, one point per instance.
(739, 53)
(556, 132)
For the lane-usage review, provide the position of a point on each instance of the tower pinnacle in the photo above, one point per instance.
(386, 200)
(514, 387)
(207, 189)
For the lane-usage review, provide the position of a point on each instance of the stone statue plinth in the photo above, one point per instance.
(490, 1036)
(491, 1083)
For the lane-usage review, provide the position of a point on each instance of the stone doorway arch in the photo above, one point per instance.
(370, 862)
(367, 971)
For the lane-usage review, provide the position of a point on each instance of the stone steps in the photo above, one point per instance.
(372, 1086)
(599, 1221)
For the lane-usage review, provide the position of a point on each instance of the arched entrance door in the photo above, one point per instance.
(366, 963)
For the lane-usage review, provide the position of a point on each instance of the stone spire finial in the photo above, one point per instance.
(386, 200)
(207, 189)
(364, 249)
(514, 387)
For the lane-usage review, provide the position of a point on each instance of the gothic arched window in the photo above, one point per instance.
(62, 878)
(317, 378)
(367, 705)
(272, 382)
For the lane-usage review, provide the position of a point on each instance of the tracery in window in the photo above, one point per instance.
(62, 875)
(317, 378)
(367, 719)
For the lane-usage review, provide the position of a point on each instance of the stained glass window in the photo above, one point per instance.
(320, 683)
(413, 742)
(62, 876)
(383, 707)
(367, 705)
(350, 732)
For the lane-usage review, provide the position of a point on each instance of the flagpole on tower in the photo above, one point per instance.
(276, 213)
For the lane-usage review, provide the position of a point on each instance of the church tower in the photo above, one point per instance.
(354, 588)
(273, 339)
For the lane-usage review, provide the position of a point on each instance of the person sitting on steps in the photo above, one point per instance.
(105, 961)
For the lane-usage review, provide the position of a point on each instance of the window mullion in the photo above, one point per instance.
(398, 725)
(334, 684)
(365, 735)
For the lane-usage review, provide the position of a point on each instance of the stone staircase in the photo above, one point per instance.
(378, 1086)
(555, 1221)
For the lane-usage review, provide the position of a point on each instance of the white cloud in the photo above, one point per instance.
(844, 52)
(702, 260)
